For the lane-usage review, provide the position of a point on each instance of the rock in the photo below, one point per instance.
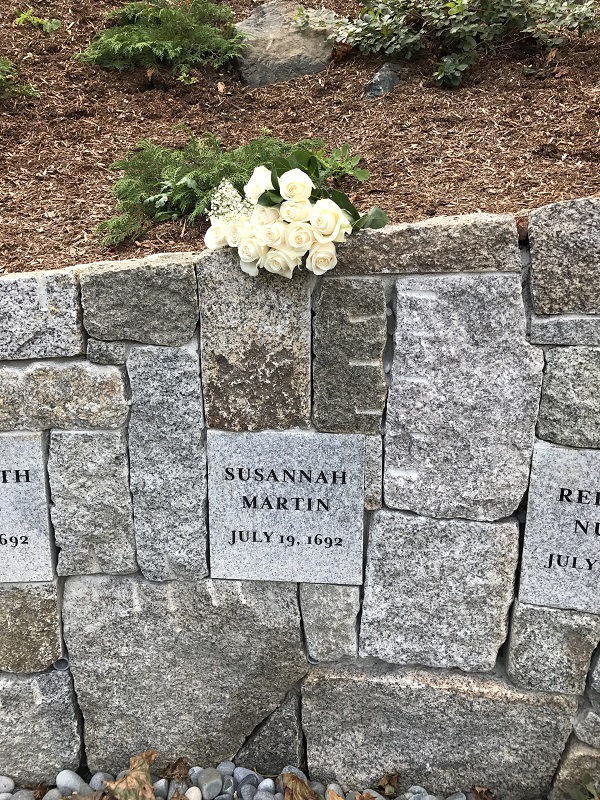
(91, 504)
(40, 315)
(210, 782)
(23, 794)
(226, 796)
(329, 617)
(123, 773)
(53, 794)
(226, 768)
(24, 517)
(371, 794)
(151, 300)
(7, 785)
(267, 785)
(263, 795)
(567, 330)
(277, 741)
(179, 787)
(561, 556)
(464, 398)
(250, 780)
(161, 788)
(39, 712)
(229, 784)
(69, 782)
(247, 790)
(464, 243)
(30, 633)
(5, 795)
(565, 252)
(256, 351)
(277, 49)
(381, 83)
(511, 743)
(586, 726)
(193, 793)
(317, 788)
(349, 335)
(99, 352)
(212, 701)
(290, 768)
(577, 760)
(239, 773)
(336, 789)
(464, 572)
(373, 472)
(457, 796)
(570, 407)
(550, 649)
(167, 462)
(100, 779)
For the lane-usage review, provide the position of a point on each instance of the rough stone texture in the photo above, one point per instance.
(277, 741)
(565, 257)
(577, 760)
(39, 713)
(550, 649)
(278, 50)
(561, 550)
(91, 505)
(566, 330)
(437, 592)
(349, 335)
(586, 726)
(570, 407)
(594, 677)
(69, 395)
(329, 617)
(265, 487)
(373, 472)
(167, 462)
(382, 82)
(30, 636)
(151, 300)
(26, 554)
(466, 243)
(99, 352)
(464, 397)
(440, 730)
(192, 667)
(255, 346)
(40, 315)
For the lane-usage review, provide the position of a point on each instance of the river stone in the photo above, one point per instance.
(151, 300)
(30, 634)
(91, 505)
(382, 82)
(574, 329)
(40, 315)
(277, 50)
(39, 712)
(586, 726)
(329, 618)
(240, 651)
(578, 759)
(373, 472)
(438, 592)
(550, 649)
(256, 355)
(565, 257)
(99, 352)
(465, 243)
(464, 397)
(167, 457)
(349, 335)
(570, 407)
(277, 740)
(442, 729)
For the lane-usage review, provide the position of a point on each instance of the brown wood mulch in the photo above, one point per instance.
(517, 135)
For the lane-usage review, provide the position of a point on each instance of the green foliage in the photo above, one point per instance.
(174, 33)
(459, 29)
(9, 82)
(586, 790)
(29, 18)
(341, 163)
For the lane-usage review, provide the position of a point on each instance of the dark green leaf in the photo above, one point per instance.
(375, 218)
(269, 199)
(343, 201)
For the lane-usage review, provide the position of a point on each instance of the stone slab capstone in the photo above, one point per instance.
(438, 592)
(329, 617)
(578, 760)
(192, 667)
(91, 504)
(256, 355)
(464, 397)
(277, 741)
(573, 329)
(30, 634)
(151, 300)
(442, 730)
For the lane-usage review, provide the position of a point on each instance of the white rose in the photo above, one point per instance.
(295, 185)
(321, 258)
(296, 210)
(249, 267)
(261, 215)
(237, 229)
(299, 237)
(282, 262)
(250, 250)
(329, 221)
(259, 182)
(215, 237)
(272, 235)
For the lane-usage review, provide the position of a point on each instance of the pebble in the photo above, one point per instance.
(239, 773)
(318, 788)
(99, 780)
(24, 794)
(53, 794)
(417, 790)
(161, 788)
(352, 795)
(335, 788)
(209, 782)
(69, 782)
(224, 796)
(247, 791)
(253, 779)
(294, 771)
(7, 795)
(7, 784)
(371, 794)
(226, 768)
(263, 795)
(122, 774)
(193, 773)
(278, 796)
(177, 786)
(267, 786)
(229, 785)
(458, 796)
(193, 793)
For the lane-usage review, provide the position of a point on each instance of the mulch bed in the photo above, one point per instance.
(517, 135)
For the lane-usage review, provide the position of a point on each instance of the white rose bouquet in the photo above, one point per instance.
(289, 216)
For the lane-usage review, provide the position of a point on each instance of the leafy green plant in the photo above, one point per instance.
(340, 163)
(458, 29)
(174, 33)
(10, 85)
(586, 790)
(29, 18)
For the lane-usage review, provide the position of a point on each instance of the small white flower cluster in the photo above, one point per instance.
(277, 238)
(226, 203)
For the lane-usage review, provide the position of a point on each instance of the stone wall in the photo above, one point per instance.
(350, 523)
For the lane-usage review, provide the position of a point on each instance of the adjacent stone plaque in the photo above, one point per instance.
(25, 551)
(561, 553)
(286, 506)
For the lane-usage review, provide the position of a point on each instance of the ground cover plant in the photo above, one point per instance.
(10, 85)
(29, 18)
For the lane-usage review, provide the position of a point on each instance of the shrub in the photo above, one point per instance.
(458, 29)
(47, 25)
(9, 82)
(174, 33)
